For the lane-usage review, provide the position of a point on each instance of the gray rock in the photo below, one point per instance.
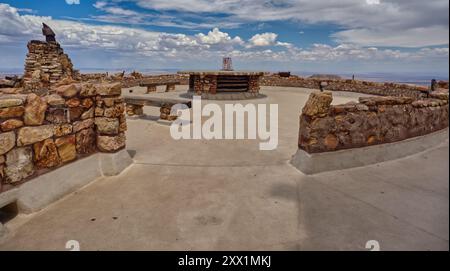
(19, 164)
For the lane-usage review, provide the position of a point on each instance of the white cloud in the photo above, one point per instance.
(357, 17)
(265, 39)
(130, 44)
(413, 37)
(73, 2)
(217, 37)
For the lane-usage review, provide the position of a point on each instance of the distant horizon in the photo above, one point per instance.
(416, 78)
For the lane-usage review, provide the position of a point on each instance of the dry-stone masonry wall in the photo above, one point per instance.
(383, 89)
(374, 120)
(40, 133)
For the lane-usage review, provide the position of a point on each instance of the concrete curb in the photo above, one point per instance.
(43, 190)
(312, 163)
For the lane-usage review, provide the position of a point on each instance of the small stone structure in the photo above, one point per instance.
(46, 63)
(38, 134)
(211, 84)
(374, 120)
(54, 120)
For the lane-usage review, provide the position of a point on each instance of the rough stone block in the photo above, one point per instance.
(109, 89)
(46, 154)
(68, 91)
(30, 135)
(11, 124)
(318, 104)
(11, 112)
(80, 125)
(55, 100)
(7, 142)
(85, 141)
(66, 148)
(8, 102)
(62, 129)
(110, 143)
(107, 126)
(35, 110)
(19, 164)
(73, 102)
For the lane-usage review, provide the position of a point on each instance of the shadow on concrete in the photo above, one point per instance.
(284, 191)
(132, 153)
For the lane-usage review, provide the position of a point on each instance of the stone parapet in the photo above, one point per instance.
(373, 88)
(41, 133)
(374, 120)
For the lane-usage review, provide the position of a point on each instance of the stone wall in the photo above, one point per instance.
(41, 133)
(383, 89)
(45, 65)
(374, 120)
(205, 84)
(134, 79)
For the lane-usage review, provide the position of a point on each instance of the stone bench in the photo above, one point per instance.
(136, 102)
(151, 87)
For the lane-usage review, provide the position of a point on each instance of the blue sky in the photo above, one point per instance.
(346, 36)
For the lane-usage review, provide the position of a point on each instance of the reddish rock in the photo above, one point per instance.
(68, 91)
(73, 102)
(29, 135)
(109, 101)
(84, 124)
(99, 111)
(87, 103)
(75, 113)
(11, 112)
(46, 154)
(35, 110)
(85, 141)
(110, 143)
(11, 124)
(122, 127)
(62, 129)
(318, 104)
(66, 148)
(331, 142)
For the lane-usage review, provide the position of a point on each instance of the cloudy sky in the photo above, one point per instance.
(345, 36)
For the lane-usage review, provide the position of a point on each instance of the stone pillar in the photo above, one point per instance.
(151, 88)
(253, 84)
(165, 112)
(170, 87)
(198, 84)
(45, 65)
(213, 84)
(134, 109)
(111, 125)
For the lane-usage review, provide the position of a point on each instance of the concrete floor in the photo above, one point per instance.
(229, 195)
